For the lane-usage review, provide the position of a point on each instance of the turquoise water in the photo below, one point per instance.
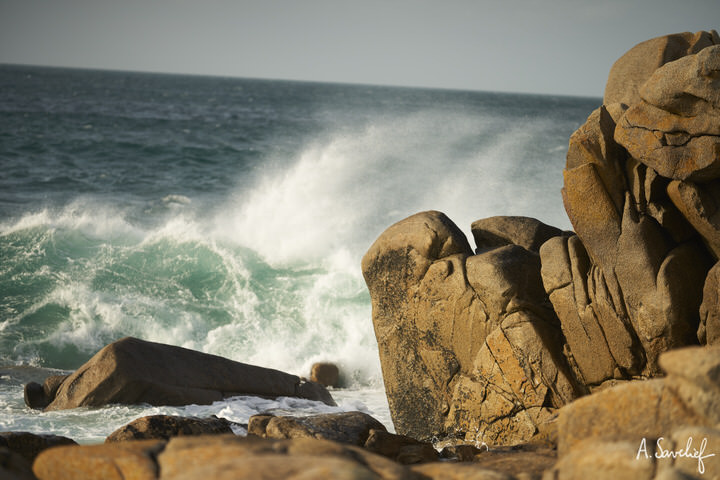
(230, 215)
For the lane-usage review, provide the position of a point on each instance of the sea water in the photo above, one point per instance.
(230, 216)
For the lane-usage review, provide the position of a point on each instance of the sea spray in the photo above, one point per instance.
(230, 215)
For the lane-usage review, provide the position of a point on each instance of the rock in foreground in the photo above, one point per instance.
(132, 371)
(167, 426)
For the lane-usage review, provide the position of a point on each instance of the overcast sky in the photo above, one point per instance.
(535, 46)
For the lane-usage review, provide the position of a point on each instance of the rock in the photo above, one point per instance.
(14, 466)
(29, 445)
(640, 288)
(709, 329)
(633, 69)
(460, 471)
(412, 341)
(601, 460)
(166, 426)
(693, 374)
(529, 233)
(348, 427)
(675, 129)
(705, 441)
(231, 457)
(700, 205)
(400, 448)
(326, 374)
(688, 396)
(131, 371)
(631, 412)
(114, 461)
(442, 316)
(514, 384)
(39, 396)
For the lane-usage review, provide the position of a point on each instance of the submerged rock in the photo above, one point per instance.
(132, 371)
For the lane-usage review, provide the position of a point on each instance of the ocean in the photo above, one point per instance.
(230, 216)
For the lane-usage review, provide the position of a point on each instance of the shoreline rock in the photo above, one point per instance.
(132, 371)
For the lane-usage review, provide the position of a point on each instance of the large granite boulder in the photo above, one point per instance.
(633, 69)
(639, 266)
(469, 344)
(674, 129)
(132, 371)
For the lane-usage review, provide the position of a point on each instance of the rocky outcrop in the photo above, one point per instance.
(488, 344)
(468, 343)
(131, 371)
(167, 426)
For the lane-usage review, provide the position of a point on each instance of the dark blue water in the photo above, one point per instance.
(230, 215)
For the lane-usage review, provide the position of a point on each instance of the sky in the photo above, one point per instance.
(528, 46)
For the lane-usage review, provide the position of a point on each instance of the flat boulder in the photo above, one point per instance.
(348, 427)
(167, 426)
(133, 371)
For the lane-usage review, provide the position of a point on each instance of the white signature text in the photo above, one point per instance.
(687, 452)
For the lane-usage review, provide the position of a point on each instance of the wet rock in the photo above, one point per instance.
(347, 427)
(14, 466)
(29, 445)
(400, 448)
(131, 371)
(326, 374)
(166, 426)
(39, 396)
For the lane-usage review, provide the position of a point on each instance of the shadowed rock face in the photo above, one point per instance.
(488, 345)
(131, 371)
